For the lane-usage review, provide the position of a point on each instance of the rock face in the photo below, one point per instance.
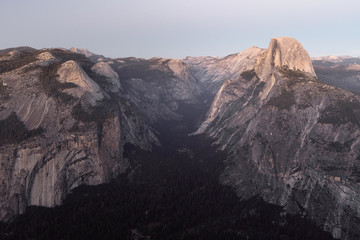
(94, 57)
(65, 119)
(284, 52)
(158, 86)
(213, 71)
(68, 115)
(104, 69)
(291, 139)
(71, 72)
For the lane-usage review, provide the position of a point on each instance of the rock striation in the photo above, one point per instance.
(65, 117)
(284, 52)
(64, 122)
(291, 139)
(158, 86)
(71, 72)
(213, 71)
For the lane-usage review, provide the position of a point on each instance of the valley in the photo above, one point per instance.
(172, 192)
(262, 144)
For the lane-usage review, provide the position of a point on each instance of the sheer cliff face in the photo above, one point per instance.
(292, 139)
(64, 120)
(65, 117)
(284, 52)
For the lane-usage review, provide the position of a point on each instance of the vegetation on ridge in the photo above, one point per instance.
(292, 74)
(284, 100)
(98, 113)
(12, 130)
(51, 86)
(168, 194)
(141, 69)
(24, 58)
(342, 112)
(2, 88)
(249, 74)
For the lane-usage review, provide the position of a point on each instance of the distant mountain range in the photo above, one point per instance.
(343, 71)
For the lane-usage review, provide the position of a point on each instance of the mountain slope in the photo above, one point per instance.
(291, 139)
(157, 85)
(65, 120)
(69, 118)
(172, 192)
(343, 72)
(213, 71)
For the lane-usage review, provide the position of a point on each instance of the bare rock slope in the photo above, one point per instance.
(291, 139)
(213, 71)
(64, 120)
(65, 117)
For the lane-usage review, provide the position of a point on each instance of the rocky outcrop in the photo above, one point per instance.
(94, 57)
(213, 71)
(291, 139)
(284, 52)
(73, 114)
(158, 86)
(71, 72)
(61, 129)
(43, 173)
(103, 69)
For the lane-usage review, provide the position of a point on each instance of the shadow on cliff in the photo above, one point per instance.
(172, 192)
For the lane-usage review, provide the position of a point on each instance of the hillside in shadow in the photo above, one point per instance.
(172, 192)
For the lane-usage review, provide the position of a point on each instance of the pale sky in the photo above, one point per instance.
(175, 29)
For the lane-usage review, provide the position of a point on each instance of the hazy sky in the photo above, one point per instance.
(174, 28)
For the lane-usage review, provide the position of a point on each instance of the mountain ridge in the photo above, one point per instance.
(271, 125)
(269, 111)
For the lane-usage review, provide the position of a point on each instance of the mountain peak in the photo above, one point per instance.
(284, 52)
(94, 57)
(83, 51)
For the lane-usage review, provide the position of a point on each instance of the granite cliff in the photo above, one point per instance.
(69, 117)
(66, 118)
(291, 139)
